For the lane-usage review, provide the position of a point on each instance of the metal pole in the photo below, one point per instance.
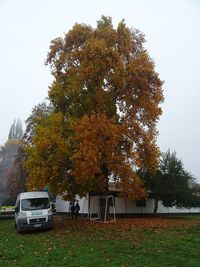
(106, 209)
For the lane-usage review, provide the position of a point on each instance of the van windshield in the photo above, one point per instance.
(35, 204)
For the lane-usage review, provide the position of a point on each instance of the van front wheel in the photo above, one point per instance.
(18, 228)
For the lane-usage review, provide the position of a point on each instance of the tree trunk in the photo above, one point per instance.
(155, 206)
(104, 209)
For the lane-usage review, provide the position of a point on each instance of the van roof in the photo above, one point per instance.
(26, 195)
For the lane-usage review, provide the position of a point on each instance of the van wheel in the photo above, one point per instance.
(18, 228)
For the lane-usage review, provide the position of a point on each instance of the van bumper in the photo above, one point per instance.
(23, 224)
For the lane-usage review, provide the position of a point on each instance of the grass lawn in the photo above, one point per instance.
(127, 242)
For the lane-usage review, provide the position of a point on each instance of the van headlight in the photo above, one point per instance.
(50, 212)
(23, 213)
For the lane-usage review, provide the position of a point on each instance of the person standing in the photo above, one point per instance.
(77, 208)
(72, 210)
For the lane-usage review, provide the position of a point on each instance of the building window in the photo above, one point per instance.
(141, 203)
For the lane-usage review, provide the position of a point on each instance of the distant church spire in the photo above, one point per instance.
(16, 131)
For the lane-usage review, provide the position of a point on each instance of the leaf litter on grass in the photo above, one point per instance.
(127, 239)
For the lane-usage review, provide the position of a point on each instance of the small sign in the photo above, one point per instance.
(37, 225)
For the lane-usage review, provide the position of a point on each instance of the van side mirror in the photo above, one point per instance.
(16, 209)
(53, 206)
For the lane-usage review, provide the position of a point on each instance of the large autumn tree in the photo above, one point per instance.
(106, 98)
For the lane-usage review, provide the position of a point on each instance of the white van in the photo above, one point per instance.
(32, 211)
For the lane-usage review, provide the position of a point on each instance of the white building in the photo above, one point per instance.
(122, 207)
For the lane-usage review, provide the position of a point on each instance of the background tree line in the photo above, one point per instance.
(11, 171)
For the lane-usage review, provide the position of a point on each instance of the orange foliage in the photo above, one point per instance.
(109, 94)
(47, 156)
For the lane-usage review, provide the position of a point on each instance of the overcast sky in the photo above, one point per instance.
(172, 30)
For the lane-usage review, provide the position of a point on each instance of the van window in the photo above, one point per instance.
(35, 204)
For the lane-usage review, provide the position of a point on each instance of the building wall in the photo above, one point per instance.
(121, 206)
(61, 205)
(64, 206)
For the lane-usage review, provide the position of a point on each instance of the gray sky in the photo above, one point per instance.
(172, 30)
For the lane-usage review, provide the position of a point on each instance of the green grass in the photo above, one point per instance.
(79, 243)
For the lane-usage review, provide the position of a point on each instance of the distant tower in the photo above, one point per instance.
(16, 131)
